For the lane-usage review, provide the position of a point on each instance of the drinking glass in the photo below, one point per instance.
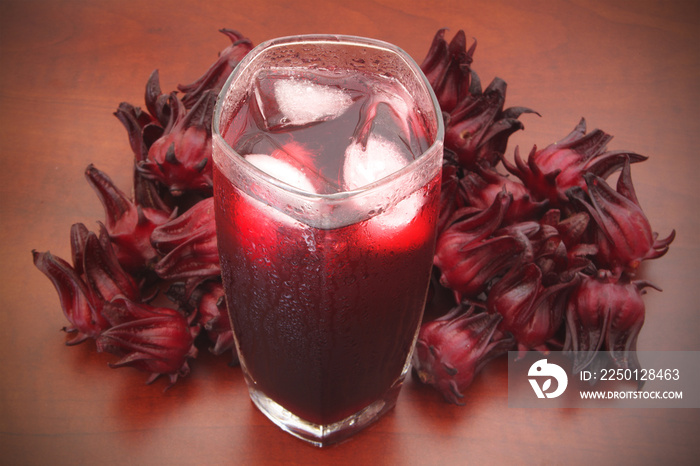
(326, 280)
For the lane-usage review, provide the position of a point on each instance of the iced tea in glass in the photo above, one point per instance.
(327, 158)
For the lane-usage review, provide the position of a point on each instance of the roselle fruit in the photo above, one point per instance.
(188, 244)
(478, 128)
(102, 270)
(623, 233)
(471, 270)
(452, 349)
(447, 67)
(606, 313)
(156, 340)
(128, 225)
(469, 257)
(481, 185)
(552, 171)
(181, 158)
(81, 306)
(94, 279)
(531, 311)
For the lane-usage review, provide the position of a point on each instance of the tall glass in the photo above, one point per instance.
(326, 258)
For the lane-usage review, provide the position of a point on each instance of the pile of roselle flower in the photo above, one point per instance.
(538, 255)
(162, 237)
(534, 254)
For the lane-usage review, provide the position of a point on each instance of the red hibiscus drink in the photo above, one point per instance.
(327, 157)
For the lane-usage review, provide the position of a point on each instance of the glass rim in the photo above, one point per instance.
(378, 44)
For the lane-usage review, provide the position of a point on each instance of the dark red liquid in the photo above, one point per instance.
(324, 319)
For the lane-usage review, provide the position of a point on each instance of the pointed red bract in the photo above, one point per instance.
(215, 77)
(80, 305)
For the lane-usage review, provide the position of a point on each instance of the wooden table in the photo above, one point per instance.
(631, 68)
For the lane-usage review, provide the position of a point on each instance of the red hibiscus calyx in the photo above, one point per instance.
(552, 171)
(151, 339)
(188, 244)
(451, 350)
(128, 224)
(623, 232)
(181, 158)
(605, 313)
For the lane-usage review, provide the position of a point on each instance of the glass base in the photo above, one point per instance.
(324, 435)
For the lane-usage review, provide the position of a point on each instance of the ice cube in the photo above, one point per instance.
(399, 215)
(389, 104)
(282, 170)
(377, 158)
(292, 101)
(292, 154)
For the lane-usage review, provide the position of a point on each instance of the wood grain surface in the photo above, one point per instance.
(631, 68)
